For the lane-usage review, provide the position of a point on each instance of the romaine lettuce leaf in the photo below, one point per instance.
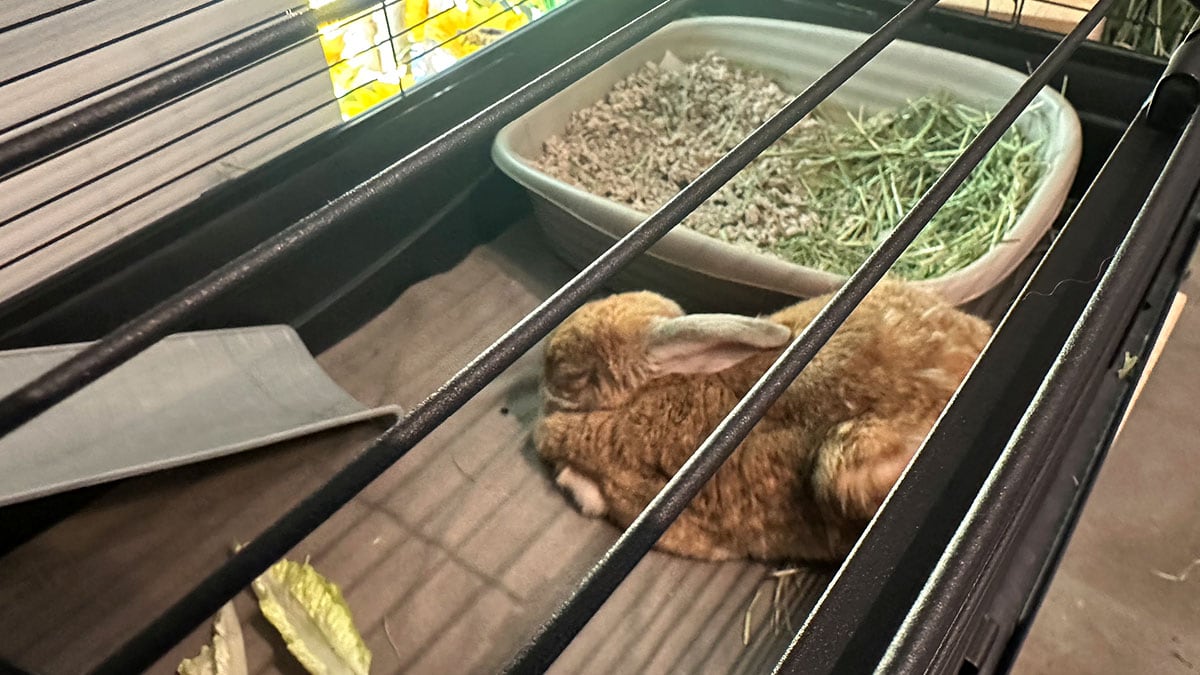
(313, 618)
(227, 655)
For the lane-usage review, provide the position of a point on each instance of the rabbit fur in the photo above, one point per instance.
(632, 386)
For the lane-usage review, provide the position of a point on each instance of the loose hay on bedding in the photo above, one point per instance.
(824, 196)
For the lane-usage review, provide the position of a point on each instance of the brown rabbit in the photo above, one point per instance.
(632, 386)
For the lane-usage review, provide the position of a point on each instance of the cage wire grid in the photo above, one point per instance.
(31, 142)
(400, 50)
(100, 45)
(135, 336)
(1151, 27)
(343, 58)
(133, 77)
(206, 48)
(208, 124)
(360, 95)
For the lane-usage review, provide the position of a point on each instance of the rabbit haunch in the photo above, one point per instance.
(633, 386)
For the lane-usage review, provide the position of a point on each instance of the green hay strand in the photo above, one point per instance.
(863, 174)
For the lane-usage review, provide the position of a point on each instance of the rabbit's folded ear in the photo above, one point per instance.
(709, 343)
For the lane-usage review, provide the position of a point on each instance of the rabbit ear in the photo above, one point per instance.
(709, 343)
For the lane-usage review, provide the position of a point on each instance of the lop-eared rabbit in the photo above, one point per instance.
(632, 386)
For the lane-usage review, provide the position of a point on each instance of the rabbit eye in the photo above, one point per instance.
(577, 382)
(570, 373)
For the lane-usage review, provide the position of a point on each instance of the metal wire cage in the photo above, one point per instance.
(1154, 27)
(1151, 27)
(151, 105)
(391, 47)
(944, 562)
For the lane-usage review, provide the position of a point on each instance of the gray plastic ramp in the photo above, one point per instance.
(191, 397)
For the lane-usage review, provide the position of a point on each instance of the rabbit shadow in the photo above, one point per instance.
(523, 403)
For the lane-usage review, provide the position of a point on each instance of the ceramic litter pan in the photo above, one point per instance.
(711, 273)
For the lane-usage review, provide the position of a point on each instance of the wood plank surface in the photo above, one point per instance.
(1056, 16)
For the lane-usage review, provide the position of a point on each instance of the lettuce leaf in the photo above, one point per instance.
(313, 618)
(227, 655)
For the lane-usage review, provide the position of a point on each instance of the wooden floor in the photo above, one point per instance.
(1126, 598)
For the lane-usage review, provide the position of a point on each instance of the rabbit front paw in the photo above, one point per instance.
(583, 491)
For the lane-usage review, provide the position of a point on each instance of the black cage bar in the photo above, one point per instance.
(829, 656)
(963, 566)
(852, 627)
(686, 484)
(112, 110)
